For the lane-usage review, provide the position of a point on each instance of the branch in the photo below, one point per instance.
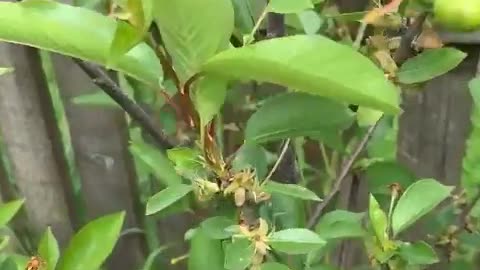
(463, 216)
(279, 160)
(343, 174)
(111, 88)
(404, 51)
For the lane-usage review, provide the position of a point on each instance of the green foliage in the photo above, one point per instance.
(98, 98)
(205, 253)
(157, 162)
(419, 253)
(48, 249)
(291, 190)
(340, 224)
(419, 199)
(430, 64)
(380, 175)
(254, 224)
(8, 264)
(188, 36)
(238, 254)
(378, 221)
(4, 70)
(350, 78)
(187, 161)
(208, 97)
(76, 32)
(128, 35)
(296, 114)
(251, 156)
(295, 241)
(92, 244)
(286, 6)
(8, 211)
(274, 266)
(471, 160)
(167, 197)
(215, 227)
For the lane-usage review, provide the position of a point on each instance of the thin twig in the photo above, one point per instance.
(402, 53)
(360, 35)
(111, 88)
(343, 173)
(462, 218)
(279, 160)
(251, 37)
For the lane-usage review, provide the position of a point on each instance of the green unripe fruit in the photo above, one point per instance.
(458, 15)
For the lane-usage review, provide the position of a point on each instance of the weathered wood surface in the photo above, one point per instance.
(100, 140)
(31, 142)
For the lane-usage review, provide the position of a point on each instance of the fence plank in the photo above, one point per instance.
(434, 128)
(30, 144)
(100, 139)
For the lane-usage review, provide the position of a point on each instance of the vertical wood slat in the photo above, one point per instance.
(30, 144)
(434, 128)
(100, 143)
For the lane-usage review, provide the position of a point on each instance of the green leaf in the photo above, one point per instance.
(8, 211)
(274, 266)
(471, 160)
(340, 224)
(125, 38)
(215, 227)
(205, 253)
(429, 64)
(383, 143)
(157, 162)
(288, 6)
(287, 212)
(419, 253)
(4, 71)
(91, 246)
(243, 16)
(310, 21)
(187, 161)
(76, 32)
(367, 116)
(474, 86)
(4, 241)
(251, 156)
(238, 254)
(127, 35)
(331, 137)
(141, 14)
(209, 96)
(98, 98)
(167, 197)
(193, 31)
(310, 63)
(419, 199)
(381, 175)
(48, 249)
(378, 220)
(8, 264)
(295, 114)
(291, 190)
(295, 241)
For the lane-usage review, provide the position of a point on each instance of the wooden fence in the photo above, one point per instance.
(431, 142)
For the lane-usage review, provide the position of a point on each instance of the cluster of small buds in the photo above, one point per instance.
(244, 186)
(259, 238)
